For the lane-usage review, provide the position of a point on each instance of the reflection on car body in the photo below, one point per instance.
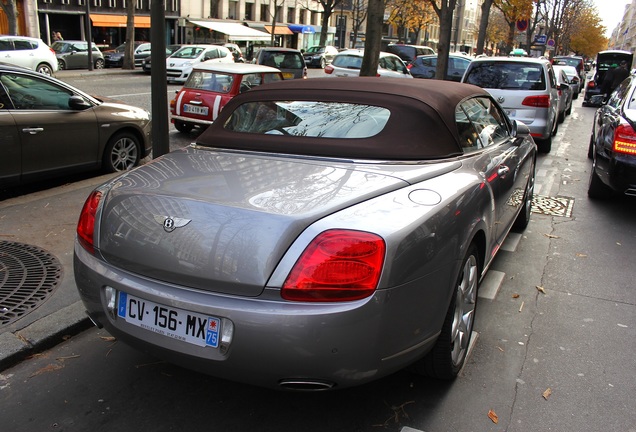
(308, 228)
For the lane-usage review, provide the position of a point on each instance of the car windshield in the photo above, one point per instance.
(188, 53)
(308, 119)
(507, 76)
(316, 50)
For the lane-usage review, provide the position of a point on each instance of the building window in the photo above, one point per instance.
(279, 14)
(291, 15)
(112, 3)
(314, 18)
(139, 5)
(301, 16)
(265, 12)
(79, 2)
(249, 11)
(232, 10)
(172, 5)
(97, 3)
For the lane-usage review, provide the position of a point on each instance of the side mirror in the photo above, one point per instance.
(519, 129)
(78, 103)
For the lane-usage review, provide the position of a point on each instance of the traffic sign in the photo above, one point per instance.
(522, 25)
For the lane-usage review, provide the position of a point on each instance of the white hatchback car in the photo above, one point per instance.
(28, 52)
(179, 65)
(347, 64)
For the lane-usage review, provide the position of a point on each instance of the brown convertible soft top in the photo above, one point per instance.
(421, 125)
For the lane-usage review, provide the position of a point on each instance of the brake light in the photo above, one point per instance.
(409, 66)
(591, 84)
(538, 101)
(86, 223)
(338, 265)
(328, 69)
(624, 140)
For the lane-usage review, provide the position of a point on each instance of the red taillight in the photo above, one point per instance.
(538, 101)
(338, 265)
(409, 66)
(624, 140)
(86, 223)
(328, 69)
(591, 84)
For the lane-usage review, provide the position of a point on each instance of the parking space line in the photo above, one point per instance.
(491, 284)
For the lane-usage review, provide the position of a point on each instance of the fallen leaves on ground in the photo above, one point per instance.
(581, 255)
(108, 338)
(45, 369)
(547, 393)
(492, 416)
(540, 289)
(551, 236)
(515, 296)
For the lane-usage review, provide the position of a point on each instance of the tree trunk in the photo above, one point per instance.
(373, 38)
(11, 11)
(446, 28)
(129, 53)
(483, 26)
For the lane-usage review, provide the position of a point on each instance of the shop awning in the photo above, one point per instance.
(234, 31)
(103, 20)
(301, 28)
(279, 30)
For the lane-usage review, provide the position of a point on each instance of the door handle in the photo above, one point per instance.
(33, 131)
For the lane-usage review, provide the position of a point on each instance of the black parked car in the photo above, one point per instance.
(605, 60)
(408, 52)
(613, 144)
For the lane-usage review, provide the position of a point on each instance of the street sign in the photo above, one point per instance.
(540, 39)
(522, 25)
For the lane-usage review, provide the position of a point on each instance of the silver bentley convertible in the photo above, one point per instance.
(320, 234)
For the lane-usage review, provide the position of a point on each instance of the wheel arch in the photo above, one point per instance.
(125, 129)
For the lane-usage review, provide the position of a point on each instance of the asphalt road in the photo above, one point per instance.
(556, 327)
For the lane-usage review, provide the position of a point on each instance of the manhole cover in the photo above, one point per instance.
(552, 206)
(28, 276)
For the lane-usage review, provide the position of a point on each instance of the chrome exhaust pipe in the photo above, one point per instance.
(305, 385)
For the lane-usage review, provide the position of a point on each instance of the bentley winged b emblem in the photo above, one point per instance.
(171, 223)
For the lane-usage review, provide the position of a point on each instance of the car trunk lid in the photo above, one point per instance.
(221, 221)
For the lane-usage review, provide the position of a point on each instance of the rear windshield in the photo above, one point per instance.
(283, 60)
(309, 119)
(567, 62)
(347, 61)
(507, 76)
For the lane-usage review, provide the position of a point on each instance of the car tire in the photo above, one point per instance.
(590, 148)
(99, 64)
(561, 118)
(576, 96)
(61, 64)
(449, 353)
(122, 152)
(523, 218)
(596, 189)
(44, 69)
(183, 127)
(544, 145)
(323, 63)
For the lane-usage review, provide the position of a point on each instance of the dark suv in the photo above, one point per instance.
(289, 61)
(408, 53)
(605, 60)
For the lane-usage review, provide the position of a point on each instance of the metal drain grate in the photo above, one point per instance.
(552, 206)
(28, 276)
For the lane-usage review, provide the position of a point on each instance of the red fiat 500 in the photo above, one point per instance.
(210, 86)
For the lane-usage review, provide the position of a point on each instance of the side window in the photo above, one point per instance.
(488, 121)
(21, 45)
(620, 94)
(30, 93)
(552, 78)
(6, 45)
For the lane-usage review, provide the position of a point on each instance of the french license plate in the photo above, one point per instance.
(511, 113)
(186, 326)
(288, 75)
(193, 109)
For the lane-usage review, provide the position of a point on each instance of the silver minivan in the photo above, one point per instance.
(525, 87)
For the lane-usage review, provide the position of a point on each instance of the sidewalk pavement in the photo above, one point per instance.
(47, 219)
